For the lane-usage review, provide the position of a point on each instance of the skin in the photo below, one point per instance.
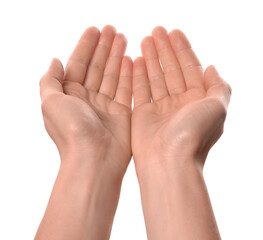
(87, 113)
(179, 112)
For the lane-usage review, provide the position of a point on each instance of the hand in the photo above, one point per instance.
(88, 108)
(179, 112)
(87, 112)
(188, 108)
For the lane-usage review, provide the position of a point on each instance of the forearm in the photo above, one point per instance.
(176, 204)
(82, 204)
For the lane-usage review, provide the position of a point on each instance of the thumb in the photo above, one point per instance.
(51, 82)
(216, 87)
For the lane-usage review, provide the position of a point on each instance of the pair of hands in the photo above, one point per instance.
(179, 112)
(179, 109)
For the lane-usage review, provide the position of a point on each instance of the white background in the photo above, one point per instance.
(228, 34)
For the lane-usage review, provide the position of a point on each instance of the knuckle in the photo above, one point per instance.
(141, 87)
(229, 88)
(125, 89)
(79, 61)
(97, 65)
(112, 75)
(192, 67)
(170, 68)
(224, 85)
(155, 78)
(221, 110)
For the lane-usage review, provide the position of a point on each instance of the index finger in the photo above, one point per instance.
(189, 63)
(78, 62)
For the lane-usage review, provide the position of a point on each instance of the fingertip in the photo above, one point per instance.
(53, 62)
(127, 60)
(120, 39)
(126, 66)
(138, 60)
(139, 66)
(148, 47)
(107, 36)
(179, 39)
(212, 67)
(56, 61)
(91, 32)
(109, 28)
(211, 71)
(146, 41)
(56, 69)
(108, 32)
(159, 32)
(51, 81)
(177, 33)
(93, 29)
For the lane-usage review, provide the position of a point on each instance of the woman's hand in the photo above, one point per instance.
(87, 109)
(188, 108)
(179, 114)
(87, 112)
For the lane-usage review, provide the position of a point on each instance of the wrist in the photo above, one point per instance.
(87, 159)
(162, 164)
(89, 195)
(170, 197)
(92, 180)
(161, 154)
(89, 165)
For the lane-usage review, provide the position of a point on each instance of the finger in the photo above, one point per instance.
(112, 71)
(124, 92)
(140, 84)
(172, 72)
(189, 63)
(51, 82)
(216, 86)
(78, 62)
(154, 70)
(97, 64)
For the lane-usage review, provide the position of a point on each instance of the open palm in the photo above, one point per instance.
(179, 109)
(89, 106)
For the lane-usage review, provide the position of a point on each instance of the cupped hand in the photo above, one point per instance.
(179, 109)
(87, 108)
